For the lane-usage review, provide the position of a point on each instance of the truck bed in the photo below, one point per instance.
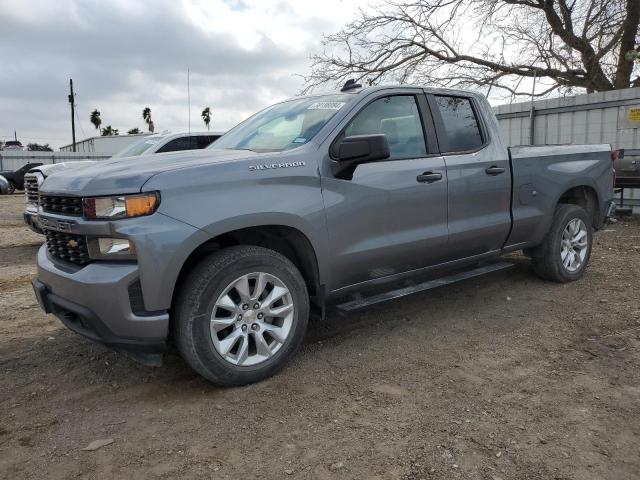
(541, 175)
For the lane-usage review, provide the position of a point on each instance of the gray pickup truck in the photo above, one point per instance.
(227, 252)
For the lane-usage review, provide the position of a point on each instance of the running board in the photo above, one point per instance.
(361, 302)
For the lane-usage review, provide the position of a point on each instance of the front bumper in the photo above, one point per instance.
(98, 301)
(30, 217)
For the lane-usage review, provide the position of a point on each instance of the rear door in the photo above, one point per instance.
(479, 178)
(391, 216)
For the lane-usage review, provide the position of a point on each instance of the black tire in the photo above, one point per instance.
(196, 300)
(546, 258)
(12, 189)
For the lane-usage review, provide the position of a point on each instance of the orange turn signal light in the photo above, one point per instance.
(138, 205)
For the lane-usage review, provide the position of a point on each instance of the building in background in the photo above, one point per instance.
(107, 145)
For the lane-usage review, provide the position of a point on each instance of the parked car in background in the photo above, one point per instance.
(16, 177)
(13, 145)
(227, 251)
(149, 145)
(169, 142)
(627, 169)
(4, 186)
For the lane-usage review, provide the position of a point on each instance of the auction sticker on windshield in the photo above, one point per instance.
(326, 106)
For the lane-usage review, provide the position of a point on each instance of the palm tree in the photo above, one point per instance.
(146, 115)
(109, 130)
(95, 119)
(206, 116)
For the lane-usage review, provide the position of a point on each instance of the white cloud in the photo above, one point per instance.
(124, 56)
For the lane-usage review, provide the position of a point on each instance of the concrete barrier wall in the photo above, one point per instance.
(13, 160)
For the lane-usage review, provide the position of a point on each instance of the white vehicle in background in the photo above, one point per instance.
(13, 145)
(150, 145)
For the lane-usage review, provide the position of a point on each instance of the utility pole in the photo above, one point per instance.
(15, 135)
(73, 107)
(532, 111)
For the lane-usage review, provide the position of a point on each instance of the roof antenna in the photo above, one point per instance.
(189, 99)
(350, 85)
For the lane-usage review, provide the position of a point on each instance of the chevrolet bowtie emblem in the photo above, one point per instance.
(72, 244)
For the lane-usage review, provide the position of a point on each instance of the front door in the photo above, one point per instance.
(391, 216)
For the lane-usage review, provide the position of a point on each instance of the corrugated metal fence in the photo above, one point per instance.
(603, 117)
(13, 160)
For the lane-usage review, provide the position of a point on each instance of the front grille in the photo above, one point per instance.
(62, 205)
(31, 188)
(67, 246)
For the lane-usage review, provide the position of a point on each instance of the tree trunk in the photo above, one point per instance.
(627, 44)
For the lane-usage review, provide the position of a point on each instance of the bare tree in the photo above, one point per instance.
(567, 44)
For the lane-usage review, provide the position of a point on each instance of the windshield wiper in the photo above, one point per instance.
(247, 149)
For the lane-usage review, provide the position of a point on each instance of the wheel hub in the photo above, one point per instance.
(249, 316)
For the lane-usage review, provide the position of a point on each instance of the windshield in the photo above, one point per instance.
(282, 126)
(137, 148)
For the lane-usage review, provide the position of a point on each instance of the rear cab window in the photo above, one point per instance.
(203, 141)
(179, 144)
(460, 124)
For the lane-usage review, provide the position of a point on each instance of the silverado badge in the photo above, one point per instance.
(269, 166)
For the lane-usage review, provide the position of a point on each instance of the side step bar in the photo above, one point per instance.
(360, 302)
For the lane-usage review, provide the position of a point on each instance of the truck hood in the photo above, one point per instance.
(129, 174)
(52, 168)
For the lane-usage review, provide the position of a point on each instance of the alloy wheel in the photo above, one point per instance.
(574, 245)
(252, 319)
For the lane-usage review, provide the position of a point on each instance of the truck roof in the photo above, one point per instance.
(377, 88)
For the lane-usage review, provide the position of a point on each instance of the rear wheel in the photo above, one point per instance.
(241, 314)
(565, 251)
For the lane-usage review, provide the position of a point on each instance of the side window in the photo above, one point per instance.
(177, 144)
(399, 119)
(460, 124)
(205, 140)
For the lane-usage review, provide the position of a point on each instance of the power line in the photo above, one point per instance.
(33, 138)
(79, 122)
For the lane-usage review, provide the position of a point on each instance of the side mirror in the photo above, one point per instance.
(621, 154)
(357, 149)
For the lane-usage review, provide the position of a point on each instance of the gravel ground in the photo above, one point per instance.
(501, 377)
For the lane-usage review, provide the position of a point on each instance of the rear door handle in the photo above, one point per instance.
(429, 177)
(493, 170)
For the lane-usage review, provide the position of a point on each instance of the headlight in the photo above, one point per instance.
(122, 206)
(111, 249)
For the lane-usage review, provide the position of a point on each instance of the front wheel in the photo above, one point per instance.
(564, 253)
(241, 314)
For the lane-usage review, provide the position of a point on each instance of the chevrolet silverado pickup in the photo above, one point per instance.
(226, 252)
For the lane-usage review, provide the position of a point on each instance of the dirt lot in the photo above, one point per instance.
(503, 377)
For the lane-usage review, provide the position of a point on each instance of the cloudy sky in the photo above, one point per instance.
(124, 55)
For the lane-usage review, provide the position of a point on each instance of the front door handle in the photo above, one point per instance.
(493, 170)
(429, 177)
